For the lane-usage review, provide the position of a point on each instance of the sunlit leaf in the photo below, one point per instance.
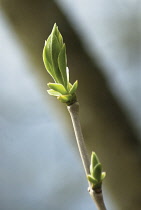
(62, 63)
(55, 53)
(47, 58)
(55, 61)
(53, 93)
(57, 87)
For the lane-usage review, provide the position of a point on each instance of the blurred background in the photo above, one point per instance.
(40, 167)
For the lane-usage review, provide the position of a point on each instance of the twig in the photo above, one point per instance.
(96, 194)
(55, 61)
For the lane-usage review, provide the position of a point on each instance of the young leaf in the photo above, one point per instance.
(55, 53)
(97, 172)
(91, 179)
(74, 87)
(94, 161)
(55, 61)
(103, 175)
(62, 63)
(69, 86)
(47, 58)
(53, 93)
(65, 98)
(57, 33)
(57, 87)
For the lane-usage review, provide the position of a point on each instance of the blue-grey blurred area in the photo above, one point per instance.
(111, 32)
(40, 166)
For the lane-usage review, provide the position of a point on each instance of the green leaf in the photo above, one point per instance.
(103, 175)
(53, 93)
(47, 58)
(69, 86)
(55, 61)
(56, 32)
(57, 87)
(55, 53)
(94, 161)
(91, 179)
(67, 72)
(65, 98)
(62, 63)
(97, 172)
(74, 87)
(48, 50)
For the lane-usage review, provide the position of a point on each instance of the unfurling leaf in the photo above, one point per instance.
(62, 63)
(55, 61)
(53, 93)
(57, 87)
(91, 179)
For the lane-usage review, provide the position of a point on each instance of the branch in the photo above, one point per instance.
(96, 194)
